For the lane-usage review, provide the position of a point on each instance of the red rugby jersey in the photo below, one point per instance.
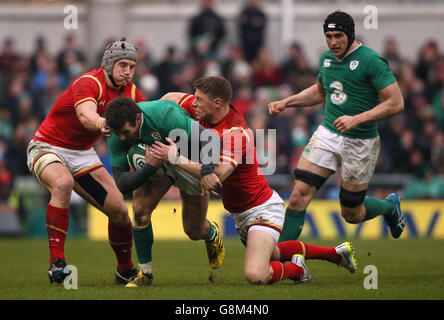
(246, 187)
(62, 128)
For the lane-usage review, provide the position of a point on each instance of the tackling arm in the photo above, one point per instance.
(222, 170)
(173, 96)
(170, 152)
(87, 114)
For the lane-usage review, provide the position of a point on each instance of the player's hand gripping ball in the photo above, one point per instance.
(136, 160)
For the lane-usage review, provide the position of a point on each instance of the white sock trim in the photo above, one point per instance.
(146, 268)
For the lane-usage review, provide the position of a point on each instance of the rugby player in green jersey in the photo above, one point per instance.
(351, 80)
(146, 123)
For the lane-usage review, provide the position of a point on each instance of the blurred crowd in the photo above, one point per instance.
(412, 142)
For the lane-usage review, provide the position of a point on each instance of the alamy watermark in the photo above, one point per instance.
(72, 13)
(371, 281)
(235, 145)
(371, 18)
(71, 281)
(72, 17)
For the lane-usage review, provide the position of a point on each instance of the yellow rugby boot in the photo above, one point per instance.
(215, 248)
(140, 280)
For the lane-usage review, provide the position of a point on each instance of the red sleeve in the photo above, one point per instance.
(186, 102)
(236, 144)
(86, 89)
(139, 96)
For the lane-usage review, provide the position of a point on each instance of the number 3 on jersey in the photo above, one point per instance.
(338, 96)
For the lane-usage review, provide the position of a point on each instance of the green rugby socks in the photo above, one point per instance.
(143, 241)
(375, 207)
(293, 224)
(212, 233)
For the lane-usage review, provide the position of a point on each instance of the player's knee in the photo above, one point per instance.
(120, 220)
(295, 199)
(298, 200)
(351, 216)
(141, 209)
(351, 205)
(255, 275)
(63, 186)
(119, 215)
(141, 220)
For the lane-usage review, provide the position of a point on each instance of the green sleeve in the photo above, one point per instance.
(174, 117)
(118, 152)
(319, 78)
(380, 74)
(320, 65)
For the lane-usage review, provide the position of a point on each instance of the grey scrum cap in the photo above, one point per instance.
(116, 51)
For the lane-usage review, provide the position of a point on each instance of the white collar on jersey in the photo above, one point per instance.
(360, 44)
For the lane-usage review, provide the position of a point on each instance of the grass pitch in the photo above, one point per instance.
(406, 269)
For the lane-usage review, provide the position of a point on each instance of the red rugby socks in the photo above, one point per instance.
(283, 271)
(309, 251)
(57, 222)
(121, 240)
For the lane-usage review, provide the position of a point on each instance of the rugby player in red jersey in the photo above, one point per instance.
(62, 158)
(257, 210)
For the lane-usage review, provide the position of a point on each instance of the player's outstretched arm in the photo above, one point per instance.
(87, 114)
(213, 182)
(173, 96)
(169, 153)
(309, 97)
(393, 104)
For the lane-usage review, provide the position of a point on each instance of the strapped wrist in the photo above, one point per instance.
(206, 169)
(176, 159)
(99, 123)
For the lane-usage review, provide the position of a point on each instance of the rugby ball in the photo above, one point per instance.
(136, 160)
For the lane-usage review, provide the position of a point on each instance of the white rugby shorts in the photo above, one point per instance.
(183, 180)
(356, 157)
(77, 161)
(268, 217)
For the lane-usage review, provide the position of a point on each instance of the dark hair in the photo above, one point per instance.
(215, 87)
(120, 111)
(341, 21)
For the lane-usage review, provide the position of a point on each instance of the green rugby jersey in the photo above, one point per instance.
(351, 86)
(159, 118)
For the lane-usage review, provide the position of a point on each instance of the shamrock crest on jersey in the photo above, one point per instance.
(352, 86)
(354, 64)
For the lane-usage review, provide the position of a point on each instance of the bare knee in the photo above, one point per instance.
(142, 217)
(353, 216)
(297, 200)
(255, 275)
(141, 210)
(62, 187)
(118, 214)
(120, 219)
